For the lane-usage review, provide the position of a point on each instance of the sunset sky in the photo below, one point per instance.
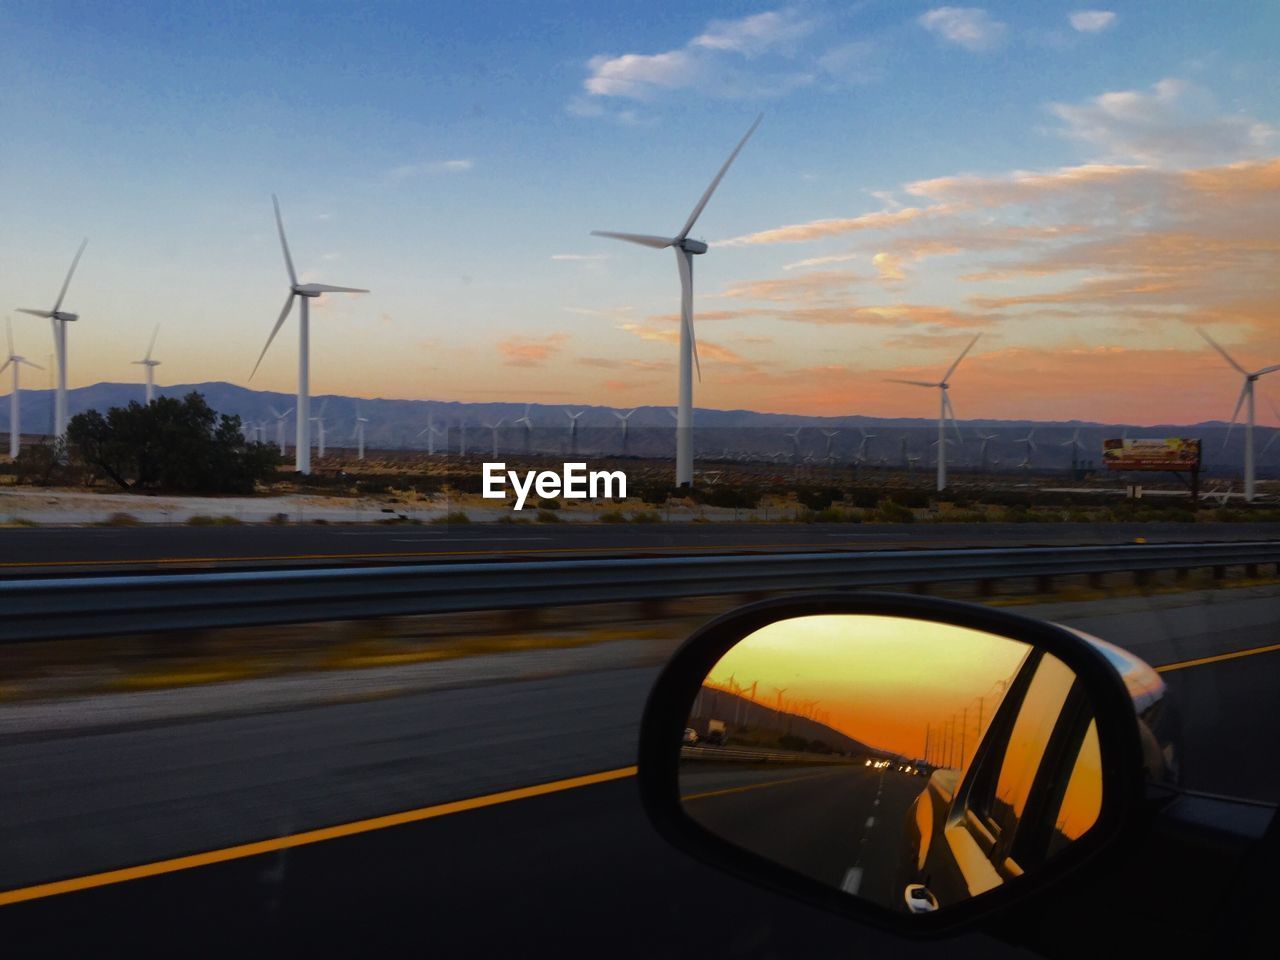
(1081, 185)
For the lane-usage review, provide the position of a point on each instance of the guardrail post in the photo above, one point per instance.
(1219, 572)
(1181, 574)
(1251, 571)
(1142, 578)
(1097, 581)
(1044, 583)
(986, 587)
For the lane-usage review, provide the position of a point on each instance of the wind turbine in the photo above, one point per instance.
(1074, 444)
(430, 431)
(493, 430)
(58, 320)
(945, 410)
(1031, 448)
(280, 422)
(624, 419)
(358, 433)
(686, 250)
(831, 436)
(986, 438)
(794, 437)
(318, 419)
(573, 430)
(1266, 446)
(527, 429)
(304, 292)
(15, 420)
(1246, 393)
(150, 366)
(863, 444)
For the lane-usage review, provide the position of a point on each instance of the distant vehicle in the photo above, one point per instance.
(716, 734)
(690, 736)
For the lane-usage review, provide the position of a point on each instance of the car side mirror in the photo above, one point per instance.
(917, 763)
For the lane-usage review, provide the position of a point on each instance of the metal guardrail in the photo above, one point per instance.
(55, 608)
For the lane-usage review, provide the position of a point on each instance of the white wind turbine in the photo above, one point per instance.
(573, 429)
(986, 438)
(945, 410)
(281, 419)
(686, 250)
(430, 431)
(831, 436)
(358, 433)
(794, 437)
(863, 444)
(624, 420)
(1031, 448)
(493, 429)
(526, 426)
(150, 365)
(1246, 394)
(15, 419)
(304, 292)
(462, 437)
(58, 320)
(1074, 444)
(318, 420)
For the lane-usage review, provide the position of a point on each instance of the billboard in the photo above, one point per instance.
(1162, 453)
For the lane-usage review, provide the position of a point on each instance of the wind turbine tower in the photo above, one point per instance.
(686, 249)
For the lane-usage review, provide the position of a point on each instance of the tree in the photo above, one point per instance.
(183, 446)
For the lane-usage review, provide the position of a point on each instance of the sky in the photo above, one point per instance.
(1080, 186)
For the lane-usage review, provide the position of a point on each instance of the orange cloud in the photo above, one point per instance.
(530, 351)
(820, 229)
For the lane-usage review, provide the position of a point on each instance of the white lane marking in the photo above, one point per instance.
(852, 880)
(871, 822)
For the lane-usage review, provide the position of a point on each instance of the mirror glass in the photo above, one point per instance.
(910, 763)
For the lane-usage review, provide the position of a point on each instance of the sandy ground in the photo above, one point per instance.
(41, 506)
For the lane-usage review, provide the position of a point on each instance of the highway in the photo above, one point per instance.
(72, 550)
(843, 826)
(575, 869)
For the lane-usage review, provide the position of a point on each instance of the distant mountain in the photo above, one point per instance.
(721, 434)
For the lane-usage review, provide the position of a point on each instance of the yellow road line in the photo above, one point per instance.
(306, 837)
(754, 786)
(1201, 661)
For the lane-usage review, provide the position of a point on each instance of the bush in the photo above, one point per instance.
(613, 516)
(548, 516)
(890, 511)
(120, 520)
(645, 516)
(179, 445)
(279, 519)
(42, 464)
(453, 516)
(548, 503)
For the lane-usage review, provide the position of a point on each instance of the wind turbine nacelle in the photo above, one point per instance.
(66, 316)
(693, 246)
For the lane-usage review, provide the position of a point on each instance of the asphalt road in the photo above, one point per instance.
(46, 551)
(574, 872)
(841, 825)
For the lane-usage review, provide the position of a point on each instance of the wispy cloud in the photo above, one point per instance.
(429, 168)
(530, 351)
(969, 27)
(1174, 123)
(1091, 21)
(574, 257)
(820, 229)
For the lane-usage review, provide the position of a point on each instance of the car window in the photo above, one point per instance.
(1082, 800)
(1041, 708)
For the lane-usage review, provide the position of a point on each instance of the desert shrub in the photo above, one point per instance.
(453, 516)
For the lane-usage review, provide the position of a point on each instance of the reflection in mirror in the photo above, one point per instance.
(910, 763)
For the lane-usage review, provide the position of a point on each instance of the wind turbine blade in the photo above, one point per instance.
(914, 383)
(8, 330)
(46, 314)
(951, 412)
(697, 211)
(326, 288)
(644, 239)
(1244, 391)
(29, 363)
(288, 305)
(1271, 369)
(152, 345)
(952, 369)
(684, 260)
(7, 363)
(67, 282)
(1266, 447)
(284, 244)
(1225, 356)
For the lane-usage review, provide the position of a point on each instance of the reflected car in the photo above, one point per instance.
(690, 737)
(1032, 785)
